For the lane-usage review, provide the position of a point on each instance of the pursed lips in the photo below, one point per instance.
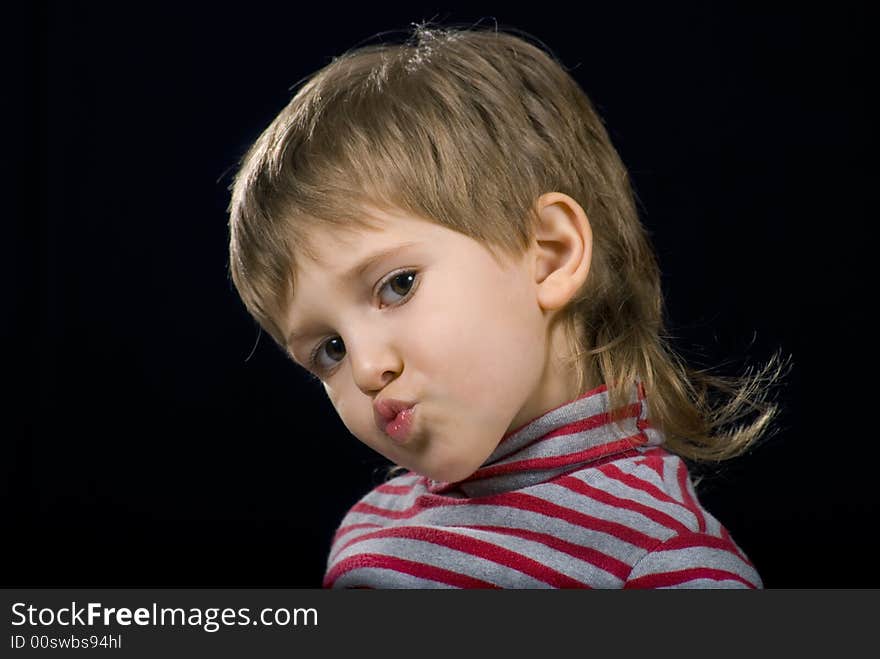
(387, 416)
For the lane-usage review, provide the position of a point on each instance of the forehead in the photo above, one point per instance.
(335, 247)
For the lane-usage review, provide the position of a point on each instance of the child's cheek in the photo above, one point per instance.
(483, 349)
(356, 412)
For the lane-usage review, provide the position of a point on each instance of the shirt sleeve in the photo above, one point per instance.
(694, 560)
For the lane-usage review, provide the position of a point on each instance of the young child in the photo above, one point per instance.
(442, 232)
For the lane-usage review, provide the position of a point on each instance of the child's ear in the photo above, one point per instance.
(563, 249)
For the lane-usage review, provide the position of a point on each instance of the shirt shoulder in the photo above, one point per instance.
(692, 548)
(656, 486)
(694, 560)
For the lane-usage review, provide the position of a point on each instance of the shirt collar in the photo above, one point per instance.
(561, 440)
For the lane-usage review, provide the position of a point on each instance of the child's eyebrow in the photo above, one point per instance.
(356, 272)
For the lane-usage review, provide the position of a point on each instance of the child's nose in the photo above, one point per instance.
(374, 364)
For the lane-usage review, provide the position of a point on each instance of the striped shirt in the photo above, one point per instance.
(570, 500)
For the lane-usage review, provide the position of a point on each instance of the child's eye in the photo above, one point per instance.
(399, 283)
(335, 349)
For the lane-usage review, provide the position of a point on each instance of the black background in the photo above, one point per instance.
(152, 440)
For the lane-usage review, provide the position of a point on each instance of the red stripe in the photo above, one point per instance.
(690, 540)
(643, 423)
(616, 473)
(678, 577)
(420, 570)
(370, 509)
(577, 485)
(422, 502)
(342, 530)
(477, 548)
(654, 460)
(587, 554)
(535, 464)
(592, 422)
(387, 488)
(686, 493)
(529, 503)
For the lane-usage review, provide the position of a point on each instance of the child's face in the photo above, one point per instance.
(438, 323)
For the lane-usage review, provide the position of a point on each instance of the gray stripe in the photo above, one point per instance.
(454, 560)
(660, 562)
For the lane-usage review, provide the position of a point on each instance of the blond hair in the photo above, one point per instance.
(467, 128)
